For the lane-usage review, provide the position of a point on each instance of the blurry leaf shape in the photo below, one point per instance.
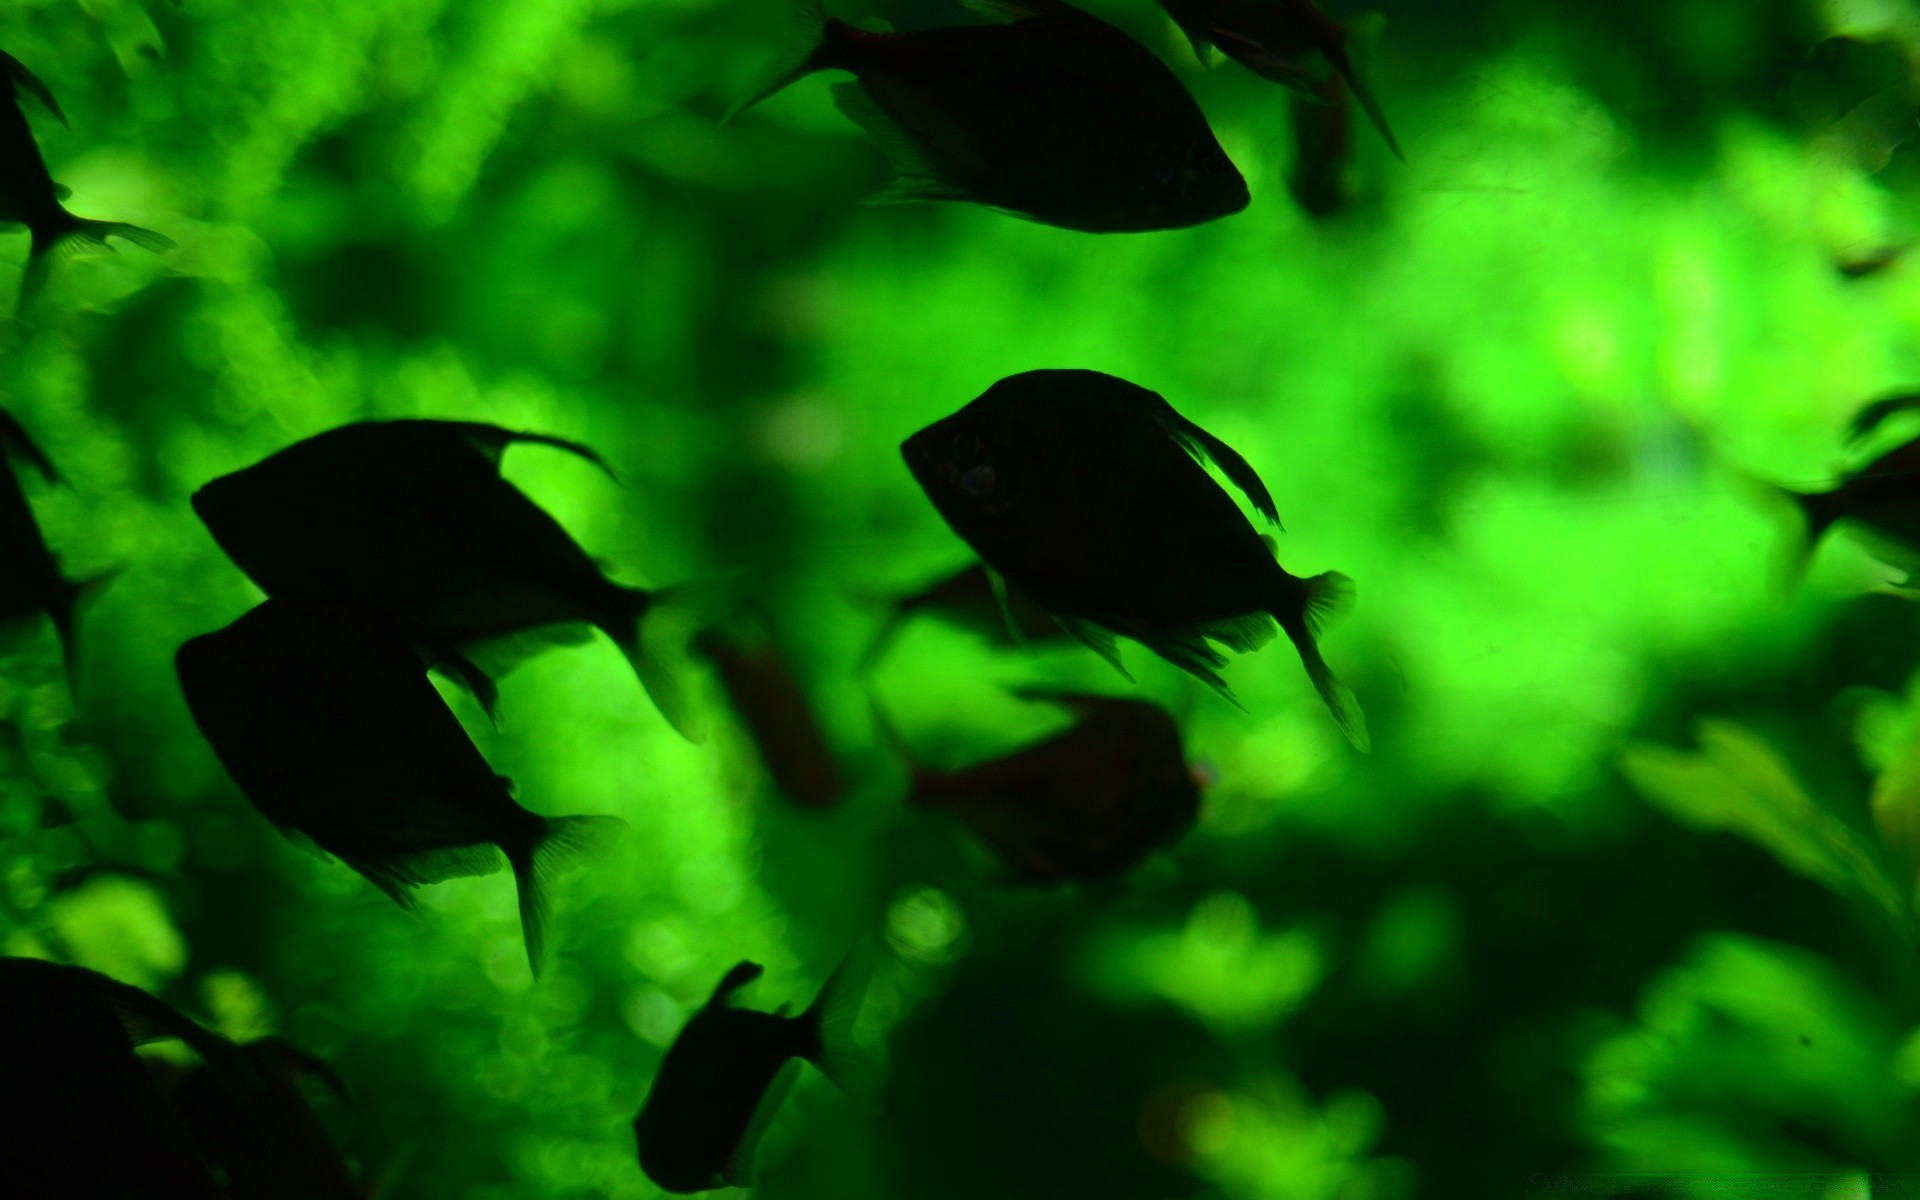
(1751, 1055)
(1272, 1142)
(1739, 783)
(1219, 967)
(238, 1006)
(120, 927)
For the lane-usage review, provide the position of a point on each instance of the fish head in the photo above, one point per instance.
(966, 464)
(1193, 180)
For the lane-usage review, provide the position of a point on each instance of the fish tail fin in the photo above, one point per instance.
(857, 1069)
(66, 605)
(809, 48)
(1322, 598)
(562, 844)
(656, 634)
(1343, 65)
(52, 241)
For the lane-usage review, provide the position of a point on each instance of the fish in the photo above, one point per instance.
(275, 1146)
(1279, 40)
(1057, 117)
(1880, 499)
(1086, 493)
(728, 1071)
(1089, 803)
(86, 1119)
(414, 516)
(30, 580)
(30, 197)
(777, 715)
(972, 599)
(322, 713)
(1321, 177)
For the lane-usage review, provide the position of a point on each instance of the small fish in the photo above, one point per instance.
(971, 599)
(1873, 263)
(414, 517)
(272, 1146)
(1278, 40)
(777, 715)
(30, 197)
(1088, 803)
(1084, 491)
(30, 579)
(322, 712)
(86, 1118)
(1058, 117)
(724, 1077)
(1321, 178)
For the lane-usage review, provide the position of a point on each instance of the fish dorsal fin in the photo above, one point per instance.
(14, 437)
(31, 84)
(738, 1171)
(915, 177)
(742, 974)
(491, 442)
(1874, 415)
(1208, 448)
(1022, 10)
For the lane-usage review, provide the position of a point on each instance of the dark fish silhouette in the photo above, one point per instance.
(1058, 117)
(30, 197)
(971, 599)
(1868, 265)
(1321, 177)
(1277, 40)
(1086, 804)
(87, 1120)
(322, 713)
(270, 1146)
(1083, 490)
(30, 579)
(1883, 498)
(414, 517)
(724, 1077)
(764, 694)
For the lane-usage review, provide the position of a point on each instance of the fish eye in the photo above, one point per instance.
(967, 446)
(1166, 175)
(978, 482)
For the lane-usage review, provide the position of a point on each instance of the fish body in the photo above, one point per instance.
(273, 1147)
(1087, 804)
(726, 1073)
(770, 703)
(1321, 178)
(1058, 117)
(28, 194)
(322, 713)
(415, 518)
(1084, 492)
(85, 1117)
(969, 599)
(1284, 41)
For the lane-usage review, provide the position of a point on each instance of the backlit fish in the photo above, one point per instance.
(414, 517)
(1279, 40)
(1058, 117)
(970, 599)
(771, 704)
(323, 714)
(1084, 491)
(1321, 177)
(84, 1118)
(30, 579)
(271, 1145)
(1088, 803)
(28, 194)
(725, 1075)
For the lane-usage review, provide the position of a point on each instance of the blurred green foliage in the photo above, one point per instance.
(1627, 885)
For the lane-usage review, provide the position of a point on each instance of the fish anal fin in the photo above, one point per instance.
(30, 83)
(1097, 639)
(738, 1171)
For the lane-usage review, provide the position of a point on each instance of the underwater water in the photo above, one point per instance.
(1624, 888)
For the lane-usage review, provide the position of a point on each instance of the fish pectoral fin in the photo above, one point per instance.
(738, 1171)
(304, 843)
(1205, 446)
(915, 177)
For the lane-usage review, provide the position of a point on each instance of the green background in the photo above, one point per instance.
(1609, 895)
